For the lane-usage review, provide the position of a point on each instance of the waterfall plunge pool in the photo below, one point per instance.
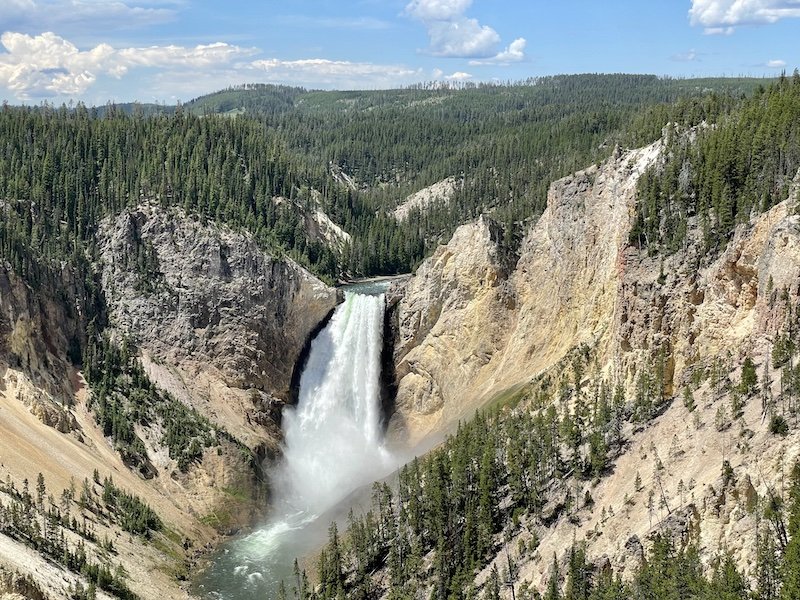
(332, 446)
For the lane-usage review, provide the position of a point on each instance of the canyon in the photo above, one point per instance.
(223, 325)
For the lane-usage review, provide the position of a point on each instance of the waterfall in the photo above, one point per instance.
(332, 446)
(333, 436)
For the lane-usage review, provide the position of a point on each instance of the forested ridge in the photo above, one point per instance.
(64, 169)
(723, 172)
(507, 142)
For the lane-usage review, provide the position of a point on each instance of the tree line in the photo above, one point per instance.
(62, 169)
(722, 173)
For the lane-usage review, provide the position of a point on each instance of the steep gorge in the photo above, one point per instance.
(223, 324)
(189, 337)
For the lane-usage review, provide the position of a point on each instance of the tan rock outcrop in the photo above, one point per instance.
(39, 330)
(451, 321)
(472, 325)
(440, 192)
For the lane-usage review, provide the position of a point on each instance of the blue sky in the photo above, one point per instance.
(168, 50)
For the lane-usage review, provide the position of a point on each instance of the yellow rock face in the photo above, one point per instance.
(475, 322)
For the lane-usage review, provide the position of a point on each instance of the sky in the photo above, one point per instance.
(164, 51)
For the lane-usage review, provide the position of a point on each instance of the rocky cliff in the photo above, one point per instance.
(452, 321)
(40, 333)
(473, 328)
(221, 325)
(476, 321)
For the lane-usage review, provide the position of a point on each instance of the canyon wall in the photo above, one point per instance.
(476, 321)
(223, 323)
(475, 328)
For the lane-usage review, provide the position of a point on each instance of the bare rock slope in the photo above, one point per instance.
(473, 328)
(472, 324)
(222, 325)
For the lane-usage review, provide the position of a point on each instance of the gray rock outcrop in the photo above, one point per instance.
(223, 322)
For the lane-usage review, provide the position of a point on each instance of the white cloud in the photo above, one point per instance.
(775, 64)
(515, 52)
(321, 72)
(15, 7)
(690, 56)
(459, 76)
(462, 38)
(718, 30)
(722, 16)
(49, 65)
(359, 23)
(71, 16)
(437, 10)
(453, 34)
(200, 56)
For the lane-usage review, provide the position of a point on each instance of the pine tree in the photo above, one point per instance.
(749, 382)
(553, 586)
(578, 576)
(790, 571)
(727, 583)
(768, 575)
(492, 591)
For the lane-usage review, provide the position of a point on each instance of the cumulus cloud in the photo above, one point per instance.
(461, 38)
(723, 16)
(515, 52)
(49, 65)
(776, 64)
(451, 32)
(201, 56)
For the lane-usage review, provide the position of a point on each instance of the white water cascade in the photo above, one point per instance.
(333, 437)
(333, 445)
